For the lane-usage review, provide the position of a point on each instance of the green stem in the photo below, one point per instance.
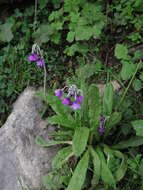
(91, 138)
(126, 90)
(45, 80)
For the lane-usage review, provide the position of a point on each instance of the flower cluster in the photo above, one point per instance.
(73, 97)
(36, 56)
(101, 127)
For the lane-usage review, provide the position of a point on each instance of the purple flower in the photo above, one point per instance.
(33, 57)
(40, 62)
(79, 99)
(101, 127)
(101, 130)
(59, 93)
(101, 118)
(75, 105)
(66, 101)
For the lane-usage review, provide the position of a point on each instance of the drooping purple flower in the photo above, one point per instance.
(101, 118)
(75, 105)
(40, 62)
(33, 57)
(79, 99)
(101, 127)
(59, 93)
(66, 101)
(101, 130)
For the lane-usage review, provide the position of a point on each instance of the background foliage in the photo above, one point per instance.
(101, 37)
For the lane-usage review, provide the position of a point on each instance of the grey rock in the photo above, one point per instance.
(19, 155)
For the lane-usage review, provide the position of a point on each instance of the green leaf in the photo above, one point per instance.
(121, 51)
(141, 76)
(62, 157)
(83, 33)
(127, 70)
(80, 48)
(80, 140)
(113, 120)
(70, 36)
(41, 142)
(79, 174)
(91, 68)
(42, 34)
(97, 28)
(62, 121)
(52, 181)
(42, 3)
(108, 99)
(57, 105)
(56, 15)
(137, 85)
(138, 127)
(120, 172)
(94, 108)
(97, 167)
(132, 142)
(106, 174)
(56, 37)
(5, 32)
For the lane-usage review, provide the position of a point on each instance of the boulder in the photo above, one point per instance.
(19, 155)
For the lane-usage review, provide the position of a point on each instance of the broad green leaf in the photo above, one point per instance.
(91, 68)
(56, 15)
(62, 157)
(84, 88)
(141, 76)
(70, 36)
(94, 108)
(97, 167)
(62, 121)
(52, 181)
(56, 37)
(137, 85)
(56, 105)
(83, 33)
(42, 3)
(97, 28)
(132, 142)
(42, 34)
(41, 142)
(138, 127)
(120, 172)
(79, 174)
(80, 48)
(69, 5)
(80, 139)
(121, 51)
(108, 99)
(92, 12)
(106, 174)
(61, 134)
(113, 120)
(6, 34)
(127, 70)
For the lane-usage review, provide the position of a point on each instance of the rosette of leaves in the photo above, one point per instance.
(85, 150)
